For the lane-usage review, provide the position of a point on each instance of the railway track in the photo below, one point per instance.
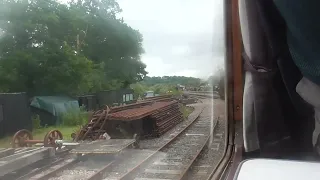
(173, 160)
(169, 159)
(28, 171)
(209, 159)
(91, 168)
(204, 95)
(81, 168)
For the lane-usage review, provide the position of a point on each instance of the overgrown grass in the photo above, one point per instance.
(186, 111)
(36, 122)
(75, 117)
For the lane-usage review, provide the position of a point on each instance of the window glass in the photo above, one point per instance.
(105, 49)
(127, 97)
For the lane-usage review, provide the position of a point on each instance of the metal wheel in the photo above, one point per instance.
(51, 137)
(19, 139)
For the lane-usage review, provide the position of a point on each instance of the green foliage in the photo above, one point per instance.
(164, 89)
(172, 80)
(47, 47)
(162, 85)
(139, 89)
(36, 122)
(186, 111)
(75, 117)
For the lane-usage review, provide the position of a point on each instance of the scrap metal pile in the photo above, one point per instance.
(148, 118)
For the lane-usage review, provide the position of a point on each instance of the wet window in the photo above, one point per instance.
(154, 72)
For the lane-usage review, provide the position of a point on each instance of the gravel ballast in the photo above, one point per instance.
(210, 157)
(183, 149)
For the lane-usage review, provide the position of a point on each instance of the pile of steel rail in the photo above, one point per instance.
(160, 113)
(165, 118)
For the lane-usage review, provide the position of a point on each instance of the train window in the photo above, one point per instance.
(170, 53)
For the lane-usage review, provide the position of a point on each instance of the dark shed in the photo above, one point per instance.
(14, 113)
(89, 101)
(115, 96)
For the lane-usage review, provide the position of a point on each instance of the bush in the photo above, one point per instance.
(75, 117)
(36, 122)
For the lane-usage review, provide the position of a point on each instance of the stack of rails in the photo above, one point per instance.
(165, 118)
(158, 115)
(95, 127)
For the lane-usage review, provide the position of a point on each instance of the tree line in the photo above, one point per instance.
(48, 47)
(83, 46)
(172, 80)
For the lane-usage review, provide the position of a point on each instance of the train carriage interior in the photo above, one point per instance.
(277, 49)
(272, 79)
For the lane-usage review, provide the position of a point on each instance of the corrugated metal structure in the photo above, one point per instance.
(14, 113)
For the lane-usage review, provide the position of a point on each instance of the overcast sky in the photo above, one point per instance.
(181, 37)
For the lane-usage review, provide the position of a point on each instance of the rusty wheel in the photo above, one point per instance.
(19, 139)
(51, 137)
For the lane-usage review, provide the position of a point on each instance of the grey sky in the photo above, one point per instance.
(181, 37)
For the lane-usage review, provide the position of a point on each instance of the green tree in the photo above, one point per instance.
(173, 80)
(50, 48)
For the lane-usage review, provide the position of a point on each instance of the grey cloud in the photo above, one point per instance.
(185, 37)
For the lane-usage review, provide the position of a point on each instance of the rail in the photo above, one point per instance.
(172, 159)
(211, 94)
(75, 167)
(192, 142)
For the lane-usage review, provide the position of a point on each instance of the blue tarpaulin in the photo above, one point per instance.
(55, 105)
